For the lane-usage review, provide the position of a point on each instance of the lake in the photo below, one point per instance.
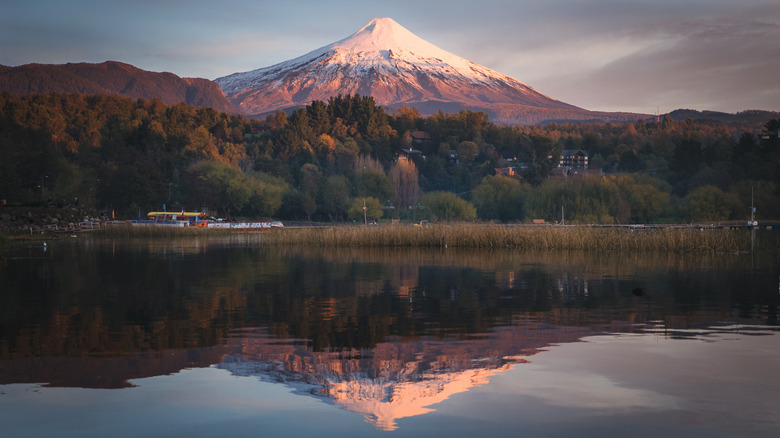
(202, 337)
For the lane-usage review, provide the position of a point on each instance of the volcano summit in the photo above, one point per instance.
(386, 61)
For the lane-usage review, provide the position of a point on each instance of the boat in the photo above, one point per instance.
(199, 219)
(172, 219)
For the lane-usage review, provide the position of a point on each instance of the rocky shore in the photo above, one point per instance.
(37, 220)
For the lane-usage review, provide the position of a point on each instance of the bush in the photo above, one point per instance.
(446, 206)
(500, 197)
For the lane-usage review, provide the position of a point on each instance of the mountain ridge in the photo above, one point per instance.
(113, 77)
(385, 48)
(757, 116)
(395, 67)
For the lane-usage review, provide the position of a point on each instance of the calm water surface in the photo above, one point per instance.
(209, 337)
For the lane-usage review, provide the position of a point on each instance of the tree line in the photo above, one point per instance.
(339, 161)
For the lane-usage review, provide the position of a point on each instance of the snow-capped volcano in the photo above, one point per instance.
(395, 67)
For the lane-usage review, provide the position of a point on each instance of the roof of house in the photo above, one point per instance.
(571, 152)
(421, 135)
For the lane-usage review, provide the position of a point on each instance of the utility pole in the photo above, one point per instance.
(43, 185)
(752, 222)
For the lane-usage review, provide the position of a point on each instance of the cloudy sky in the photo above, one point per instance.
(610, 55)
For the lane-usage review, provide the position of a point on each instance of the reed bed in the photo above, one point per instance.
(517, 237)
(464, 235)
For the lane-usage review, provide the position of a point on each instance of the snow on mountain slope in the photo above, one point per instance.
(395, 67)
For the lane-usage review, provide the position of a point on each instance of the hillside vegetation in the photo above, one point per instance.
(339, 161)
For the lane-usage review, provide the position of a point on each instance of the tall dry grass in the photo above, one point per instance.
(464, 235)
(516, 237)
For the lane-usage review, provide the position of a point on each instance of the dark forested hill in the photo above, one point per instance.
(346, 159)
(751, 116)
(113, 78)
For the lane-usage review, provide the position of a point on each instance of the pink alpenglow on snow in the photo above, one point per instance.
(386, 61)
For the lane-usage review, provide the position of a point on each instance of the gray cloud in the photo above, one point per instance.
(720, 65)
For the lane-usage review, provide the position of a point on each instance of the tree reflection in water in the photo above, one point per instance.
(382, 332)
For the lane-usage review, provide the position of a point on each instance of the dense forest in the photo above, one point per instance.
(348, 159)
